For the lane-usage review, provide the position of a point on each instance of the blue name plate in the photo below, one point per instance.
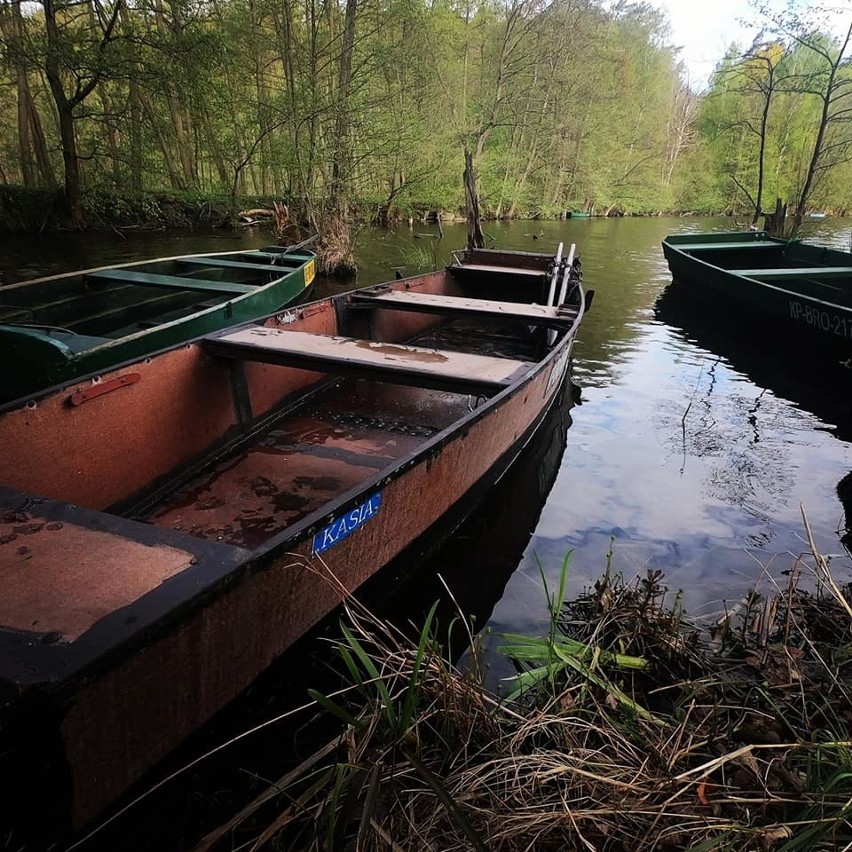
(337, 530)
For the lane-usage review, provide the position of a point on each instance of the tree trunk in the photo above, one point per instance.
(341, 154)
(215, 152)
(32, 146)
(180, 116)
(475, 237)
(829, 97)
(136, 111)
(65, 106)
(24, 145)
(65, 115)
(171, 167)
(775, 222)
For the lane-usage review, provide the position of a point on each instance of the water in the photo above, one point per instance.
(698, 439)
(696, 444)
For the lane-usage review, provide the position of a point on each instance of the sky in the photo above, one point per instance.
(705, 29)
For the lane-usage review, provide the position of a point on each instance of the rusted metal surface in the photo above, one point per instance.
(393, 327)
(269, 384)
(332, 445)
(115, 445)
(60, 578)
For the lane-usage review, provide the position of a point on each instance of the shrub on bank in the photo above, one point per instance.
(630, 729)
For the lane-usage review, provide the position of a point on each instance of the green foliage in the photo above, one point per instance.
(565, 105)
(23, 210)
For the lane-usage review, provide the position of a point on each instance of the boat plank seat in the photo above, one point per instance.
(406, 300)
(15, 314)
(412, 365)
(116, 313)
(756, 245)
(280, 257)
(231, 264)
(147, 279)
(502, 270)
(799, 272)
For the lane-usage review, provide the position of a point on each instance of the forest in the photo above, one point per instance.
(371, 106)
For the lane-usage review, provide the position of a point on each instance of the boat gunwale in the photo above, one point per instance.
(171, 258)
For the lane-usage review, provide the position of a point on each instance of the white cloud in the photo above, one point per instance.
(704, 31)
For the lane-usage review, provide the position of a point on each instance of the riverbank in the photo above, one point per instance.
(36, 211)
(626, 727)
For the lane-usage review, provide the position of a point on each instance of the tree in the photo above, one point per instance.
(32, 144)
(65, 21)
(755, 76)
(831, 84)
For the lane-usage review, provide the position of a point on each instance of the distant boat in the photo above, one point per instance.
(578, 214)
(170, 526)
(807, 287)
(816, 215)
(57, 329)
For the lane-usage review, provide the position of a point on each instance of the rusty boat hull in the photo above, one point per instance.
(169, 528)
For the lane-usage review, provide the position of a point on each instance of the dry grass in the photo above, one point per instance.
(739, 744)
(336, 247)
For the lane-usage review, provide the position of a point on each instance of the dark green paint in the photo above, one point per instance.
(58, 329)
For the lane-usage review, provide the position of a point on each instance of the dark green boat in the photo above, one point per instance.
(785, 282)
(54, 330)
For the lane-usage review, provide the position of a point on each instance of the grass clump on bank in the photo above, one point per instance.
(628, 728)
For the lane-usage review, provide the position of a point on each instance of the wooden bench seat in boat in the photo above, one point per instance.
(799, 272)
(459, 372)
(279, 258)
(147, 279)
(427, 303)
(502, 270)
(726, 246)
(232, 264)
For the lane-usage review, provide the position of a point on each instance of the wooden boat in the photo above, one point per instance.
(169, 527)
(59, 328)
(807, 287)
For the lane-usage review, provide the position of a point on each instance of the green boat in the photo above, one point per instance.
(54, 330)
(795, 285)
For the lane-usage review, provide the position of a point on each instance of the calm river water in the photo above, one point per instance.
(697, 441)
